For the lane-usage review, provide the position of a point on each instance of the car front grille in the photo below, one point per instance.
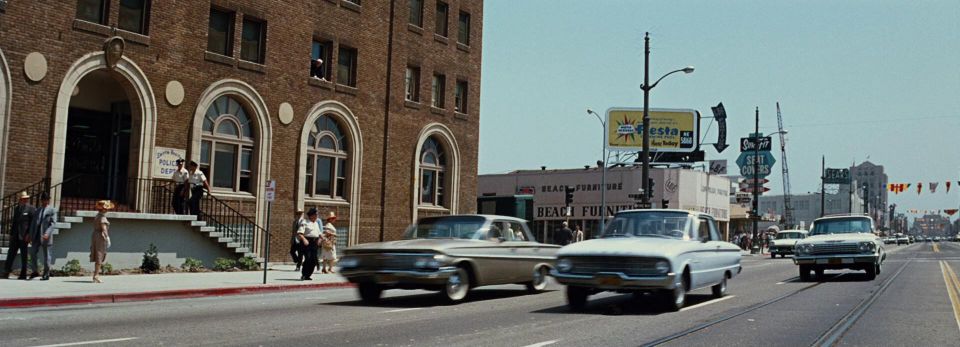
(629, 266)
(835, 248)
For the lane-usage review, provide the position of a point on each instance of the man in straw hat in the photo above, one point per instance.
(23, 214)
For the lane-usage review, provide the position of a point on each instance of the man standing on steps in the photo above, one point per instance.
(42, 235)
(197, 181)
(20, 236)
(180, 190)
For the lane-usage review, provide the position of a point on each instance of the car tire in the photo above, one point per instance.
(676, 298)
(539, 282)
(369, 292)
(805, 273)
(773, 256)
(457, 286)
(577, 297)
(720, 289)
(819, 272)
(871, 272)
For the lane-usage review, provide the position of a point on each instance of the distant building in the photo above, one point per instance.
(872, 183)
(806, 207)
(932, 225)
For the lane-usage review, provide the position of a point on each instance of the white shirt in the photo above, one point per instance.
(330, 228)
(181, 175)
(309, 228)
(197, 178)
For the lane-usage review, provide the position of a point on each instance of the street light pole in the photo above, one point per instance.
(755, 249)
(645, 169)
(603, 170)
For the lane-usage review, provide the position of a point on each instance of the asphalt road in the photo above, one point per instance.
(909, 304)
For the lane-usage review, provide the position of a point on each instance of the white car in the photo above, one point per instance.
(840, 242)
(785, 242)
(663, 252)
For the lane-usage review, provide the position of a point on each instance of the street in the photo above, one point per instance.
(908, 304)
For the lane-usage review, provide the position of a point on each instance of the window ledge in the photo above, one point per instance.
(440, 38)
(411, 104)
(463, 47)
(91, 27)
(433, 208)
(227, 194)
(251, 66)
(459, 115)
(341, 88)
(327, 201)
(415, 29)
(438, 111)
(316, 82)
(133, 37)
(218, 58)
(350, 6)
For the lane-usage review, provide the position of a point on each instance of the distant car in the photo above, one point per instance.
(840, 242)
(785, 241)
(451, 254)
(956, 237)
(936, 239)
(902, 240)
(889, 240)
(664, 252)
(927, 239)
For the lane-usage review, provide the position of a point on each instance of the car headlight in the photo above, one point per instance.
(663, 266)
(564, 265)
(348, 262)
(429, 262)
(804, 248)
(867, 247)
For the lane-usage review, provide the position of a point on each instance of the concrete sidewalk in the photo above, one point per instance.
(81, 290)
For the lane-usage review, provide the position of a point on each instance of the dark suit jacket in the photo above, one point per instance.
(43, 224)
(22, 217)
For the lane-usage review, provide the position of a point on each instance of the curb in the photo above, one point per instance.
(161, 295)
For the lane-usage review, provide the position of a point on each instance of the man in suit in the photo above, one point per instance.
(42, 235)
(19, 236)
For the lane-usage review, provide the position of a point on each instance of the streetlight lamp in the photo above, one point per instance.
(603, 175)
(646, 115)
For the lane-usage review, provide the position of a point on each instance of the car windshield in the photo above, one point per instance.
(649, 224)
(841, 226)
(784, 236)
(454, 227)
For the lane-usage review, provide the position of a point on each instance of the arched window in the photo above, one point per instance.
(326, 160)
(433, 166)
(226, 147)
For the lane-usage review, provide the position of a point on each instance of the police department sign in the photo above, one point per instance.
(165, 161)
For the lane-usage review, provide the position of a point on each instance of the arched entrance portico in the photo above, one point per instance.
(5, 96)
(109, 123)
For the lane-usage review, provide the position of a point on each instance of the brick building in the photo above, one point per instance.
(100, 96)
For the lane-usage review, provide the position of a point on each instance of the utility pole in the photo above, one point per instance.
(755, 249)
(645, 170)
(823, 190)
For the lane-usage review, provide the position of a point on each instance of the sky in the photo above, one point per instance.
(856, 80)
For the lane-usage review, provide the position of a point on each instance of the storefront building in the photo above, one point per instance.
(98, 98)
(680, 188)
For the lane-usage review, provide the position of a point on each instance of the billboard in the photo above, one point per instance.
(671, 130)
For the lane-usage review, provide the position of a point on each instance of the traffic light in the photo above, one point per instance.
(650, 185)
(665, 203)
(569, 195)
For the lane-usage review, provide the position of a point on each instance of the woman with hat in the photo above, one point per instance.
(309, 233)
(100, 239)
(328, 249)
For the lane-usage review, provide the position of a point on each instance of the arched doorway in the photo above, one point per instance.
(5, 93)
(103, 137)
(99, 124)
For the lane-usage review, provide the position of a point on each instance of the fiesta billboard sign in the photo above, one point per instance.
(671, 130)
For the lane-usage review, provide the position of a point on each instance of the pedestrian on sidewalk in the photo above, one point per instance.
(20, 236)
(296, 249)
(42, 235)
(564, 235)
(180, 190)
(309, 234)
(577, 234)
(198, 182)
(100, 239)
(328, 252)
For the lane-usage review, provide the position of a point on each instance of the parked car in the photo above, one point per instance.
(452, 255)
(888, 240)
(785, 241)
(663, 252)
(936, 239)
(840, 242)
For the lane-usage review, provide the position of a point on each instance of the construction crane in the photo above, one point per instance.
(787, 208)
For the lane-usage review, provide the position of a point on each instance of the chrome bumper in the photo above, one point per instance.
(836, 259)
(399, 277)
(616, 280)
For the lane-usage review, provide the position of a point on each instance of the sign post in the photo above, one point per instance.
(271, 194)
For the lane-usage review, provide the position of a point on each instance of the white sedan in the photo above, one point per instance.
(664, 252)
